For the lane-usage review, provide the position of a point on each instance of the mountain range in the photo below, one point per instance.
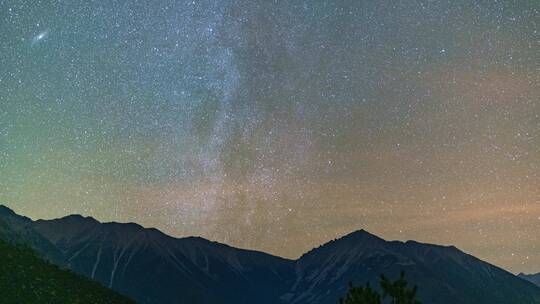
(152, 267)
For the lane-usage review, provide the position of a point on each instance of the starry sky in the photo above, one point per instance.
(279, 125)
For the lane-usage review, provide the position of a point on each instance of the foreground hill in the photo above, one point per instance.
(152, 267)
(26, 278)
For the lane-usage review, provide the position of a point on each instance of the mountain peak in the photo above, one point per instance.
(8, 213)
(363, 232)
(6, 210)
(78, 217)
(362, 235)
(354, 239)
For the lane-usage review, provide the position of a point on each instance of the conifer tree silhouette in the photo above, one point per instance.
(397, 291)
(360, 294)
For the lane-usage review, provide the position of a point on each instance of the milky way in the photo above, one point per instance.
(279, 125)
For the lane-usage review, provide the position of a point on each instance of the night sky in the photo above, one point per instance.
(279, 125)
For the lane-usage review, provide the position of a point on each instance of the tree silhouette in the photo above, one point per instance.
(397, 291)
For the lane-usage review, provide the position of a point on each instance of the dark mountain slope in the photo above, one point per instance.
(155, 268)
(26, 278)
(533, 278)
